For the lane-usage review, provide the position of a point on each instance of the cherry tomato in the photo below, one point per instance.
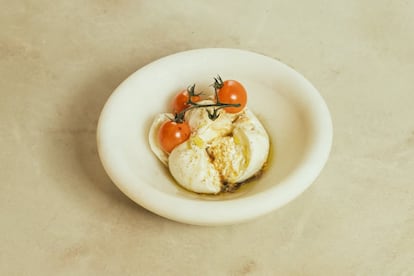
(232, 92)
(181, 99)
(171, 134)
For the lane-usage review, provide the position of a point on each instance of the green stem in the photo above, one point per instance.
(179, 117)
(218, 84)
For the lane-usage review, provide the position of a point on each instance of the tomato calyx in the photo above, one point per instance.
(192, 94)
(218, 83)
(178, 117)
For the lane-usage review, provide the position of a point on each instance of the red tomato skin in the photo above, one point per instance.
(232, 92)
(172, 134)
(180, 101)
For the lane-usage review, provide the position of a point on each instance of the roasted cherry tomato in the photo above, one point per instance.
(181, 99)
(232, 92)
(171, 134)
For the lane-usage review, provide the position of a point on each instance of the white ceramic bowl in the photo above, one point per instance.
(291, 109)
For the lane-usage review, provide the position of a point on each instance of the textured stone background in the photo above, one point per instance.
(60, 213)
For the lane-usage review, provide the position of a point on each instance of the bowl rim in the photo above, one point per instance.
(236, 210)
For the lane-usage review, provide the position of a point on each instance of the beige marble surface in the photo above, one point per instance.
(60, 213)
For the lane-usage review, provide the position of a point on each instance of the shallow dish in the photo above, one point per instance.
(291, 109)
